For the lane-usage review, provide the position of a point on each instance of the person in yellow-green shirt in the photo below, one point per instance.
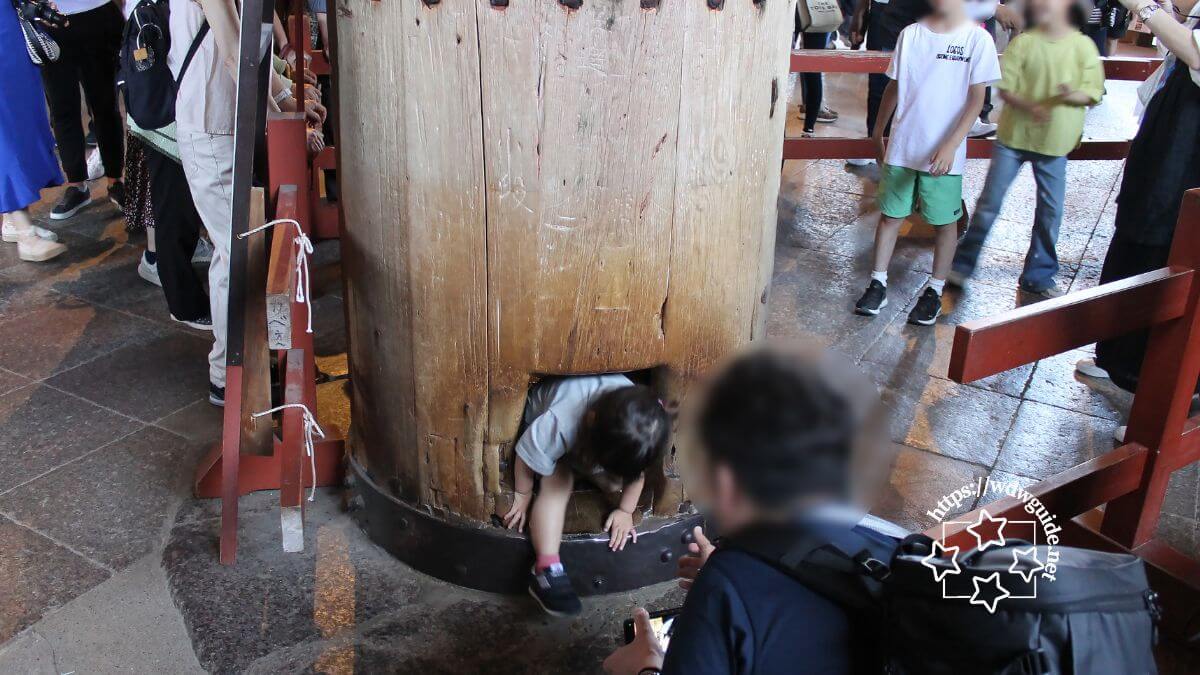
(1050, 75)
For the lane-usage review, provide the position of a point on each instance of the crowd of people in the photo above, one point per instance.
(174, 180)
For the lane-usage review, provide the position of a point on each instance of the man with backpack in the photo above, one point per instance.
(799, 583)
(775, 434)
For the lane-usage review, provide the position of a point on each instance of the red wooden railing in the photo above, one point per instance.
(841, 61)
(1113, 502)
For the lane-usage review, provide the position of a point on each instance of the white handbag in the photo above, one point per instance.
(818, 16)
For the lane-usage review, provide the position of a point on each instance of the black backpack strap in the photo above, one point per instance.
(835, 562)
(191, 53)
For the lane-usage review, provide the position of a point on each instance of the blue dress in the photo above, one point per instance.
(27, 160)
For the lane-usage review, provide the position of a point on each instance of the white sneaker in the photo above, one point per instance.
(1119, 433)
(204, 252)
(981, 129)
(149, 271)
(1088, 368)
(955, 278)
(95, 165)
(860, 162)
(13, 235)
(35, 249)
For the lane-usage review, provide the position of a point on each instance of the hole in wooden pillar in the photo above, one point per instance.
(716, 5)
(589, 505)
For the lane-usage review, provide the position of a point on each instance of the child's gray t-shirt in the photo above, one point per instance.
(553, 412)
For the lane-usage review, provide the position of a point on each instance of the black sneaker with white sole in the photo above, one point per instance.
(872, 300)
(552, 590)
(216, 395)
(928, 309)
(202, 323)
(73, 199)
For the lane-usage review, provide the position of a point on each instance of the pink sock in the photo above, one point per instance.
(545, 561)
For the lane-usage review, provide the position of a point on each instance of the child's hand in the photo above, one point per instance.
(698, 552)
(515, 518)
(880, 148)
(619, 527)
(943, 159)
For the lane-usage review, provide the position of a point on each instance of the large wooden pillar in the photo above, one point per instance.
(536, 187)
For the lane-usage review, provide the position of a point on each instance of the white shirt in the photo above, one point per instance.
(207, 97)
(553, 411)
(933, 73)
(70, 7)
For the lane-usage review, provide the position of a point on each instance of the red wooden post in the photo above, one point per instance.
(1164, 393)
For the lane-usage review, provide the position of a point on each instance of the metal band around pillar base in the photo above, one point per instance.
(493, 559)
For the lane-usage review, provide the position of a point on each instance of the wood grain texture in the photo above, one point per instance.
(532, 190)
(257, 438)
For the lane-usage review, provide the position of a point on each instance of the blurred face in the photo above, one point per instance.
(981, 10)
(1049, 11)
(947, 6)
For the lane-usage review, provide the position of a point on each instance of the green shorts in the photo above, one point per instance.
(940, 196)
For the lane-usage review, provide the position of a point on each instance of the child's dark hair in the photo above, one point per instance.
(785, 423)
(626, 430)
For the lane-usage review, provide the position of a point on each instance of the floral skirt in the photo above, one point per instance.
(139, 212)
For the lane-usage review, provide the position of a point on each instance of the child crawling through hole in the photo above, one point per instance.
(602, 428)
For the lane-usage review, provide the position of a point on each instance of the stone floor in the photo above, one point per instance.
(109, 565)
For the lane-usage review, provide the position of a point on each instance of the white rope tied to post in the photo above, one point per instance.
(310, 426)
(304, 248)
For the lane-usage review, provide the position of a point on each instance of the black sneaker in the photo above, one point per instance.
(202, 323)
(552, 590)
(928, 309)
(872, 300)
(116, 194)
(73, 199)
(216, 395)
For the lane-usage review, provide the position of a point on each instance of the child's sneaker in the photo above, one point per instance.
(956, 279)
(872, 300)
(552, 590)
(928, 309)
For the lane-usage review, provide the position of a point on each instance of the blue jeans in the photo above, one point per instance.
(1050, 174)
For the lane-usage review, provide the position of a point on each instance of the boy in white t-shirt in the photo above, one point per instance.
(939, 72)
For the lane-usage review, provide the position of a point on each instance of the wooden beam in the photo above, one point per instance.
(1065, 495)
(833, 61)
(977, 148)
(1026, 334)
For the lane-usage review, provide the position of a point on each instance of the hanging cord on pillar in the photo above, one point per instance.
(310, 426)
(304, 248)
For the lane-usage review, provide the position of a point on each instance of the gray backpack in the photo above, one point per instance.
(1096, 618)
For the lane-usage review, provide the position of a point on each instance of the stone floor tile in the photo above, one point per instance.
(112, 505)
(1055, 382)
(41, 342)
(38, 575)
(147, 381)
(906, 347)
(198, 422)
(1046, 440)
(42, 429)
(943, 417)
(813, 295)
(917, 482)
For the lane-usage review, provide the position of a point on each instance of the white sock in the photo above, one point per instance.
(881, 277)
(937, 285)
